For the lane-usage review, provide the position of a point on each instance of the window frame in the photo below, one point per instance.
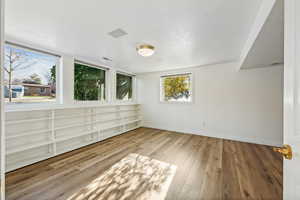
(106, 88)
(133, 87)
(191, 88)
(58, 83)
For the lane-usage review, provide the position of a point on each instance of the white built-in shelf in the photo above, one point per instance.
(91, 120)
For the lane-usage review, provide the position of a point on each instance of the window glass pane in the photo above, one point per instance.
(176, 88)
(89, 83)
(124, 87)
(29, 76)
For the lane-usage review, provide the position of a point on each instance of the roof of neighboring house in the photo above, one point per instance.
(36, 85)
(28, 84)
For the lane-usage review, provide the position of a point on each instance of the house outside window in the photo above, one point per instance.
(29, 75)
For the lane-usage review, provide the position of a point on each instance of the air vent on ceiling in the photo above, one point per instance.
(275, 63)
(106, 59)
(117, 33)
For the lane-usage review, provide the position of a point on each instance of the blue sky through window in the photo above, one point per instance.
(32, 63)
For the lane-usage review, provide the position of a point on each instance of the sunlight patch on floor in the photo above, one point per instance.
(135, 177)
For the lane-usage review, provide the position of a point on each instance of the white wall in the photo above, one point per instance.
(241, 105)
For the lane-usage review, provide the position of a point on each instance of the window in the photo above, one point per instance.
(176, 88)
(26, 72)
(124, 87)
(43, 90)
(89, 83)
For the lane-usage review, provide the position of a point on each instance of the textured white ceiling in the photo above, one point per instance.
(185, 33)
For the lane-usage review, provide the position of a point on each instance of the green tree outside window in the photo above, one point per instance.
(124, 87)
(89, 83)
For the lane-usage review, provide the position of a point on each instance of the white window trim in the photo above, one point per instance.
(192, 89)
(58, 85)
(134, 89)
(107, 84)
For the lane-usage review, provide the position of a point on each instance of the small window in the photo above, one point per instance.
(89, 83)
(43, 90)
(26, 72)
(124, 87)
(176, 88)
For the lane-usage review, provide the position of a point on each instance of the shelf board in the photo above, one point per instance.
(27, 120)
(120, 124)
(74, 146)
(133, 128)
(126, 117)
(20, 149)
(107, 120)
(118, 133)
(73, 116)
(27, 134)
(110, 127)
(72, 126)
(87, 115)
(132, 121)
(74, 106)
(129, 110)
(106, 112)
(22, 163)
(75, 136)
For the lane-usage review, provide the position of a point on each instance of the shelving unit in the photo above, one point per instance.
(56, 131)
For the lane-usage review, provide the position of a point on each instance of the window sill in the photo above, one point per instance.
(124, 101)
(177, 102)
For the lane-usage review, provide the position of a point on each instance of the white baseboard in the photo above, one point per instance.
(262, 141)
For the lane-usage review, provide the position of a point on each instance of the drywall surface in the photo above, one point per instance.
(243, 105)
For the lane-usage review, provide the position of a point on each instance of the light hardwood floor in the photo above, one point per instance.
(207, 168)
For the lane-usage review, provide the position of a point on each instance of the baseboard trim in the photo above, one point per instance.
(227, 137)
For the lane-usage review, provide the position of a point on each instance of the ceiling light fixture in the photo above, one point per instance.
(145, 50)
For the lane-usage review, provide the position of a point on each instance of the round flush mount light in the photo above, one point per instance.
(145, 50)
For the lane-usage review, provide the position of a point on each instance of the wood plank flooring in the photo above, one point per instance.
(207, 168)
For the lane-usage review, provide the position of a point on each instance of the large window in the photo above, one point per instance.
(89, 83)
(176, 88)
(124, 87)
(29, 75)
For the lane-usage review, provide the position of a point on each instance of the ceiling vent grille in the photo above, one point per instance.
(106, 59)
(117, 33)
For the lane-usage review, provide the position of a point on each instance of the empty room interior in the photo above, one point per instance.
(150, 100)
